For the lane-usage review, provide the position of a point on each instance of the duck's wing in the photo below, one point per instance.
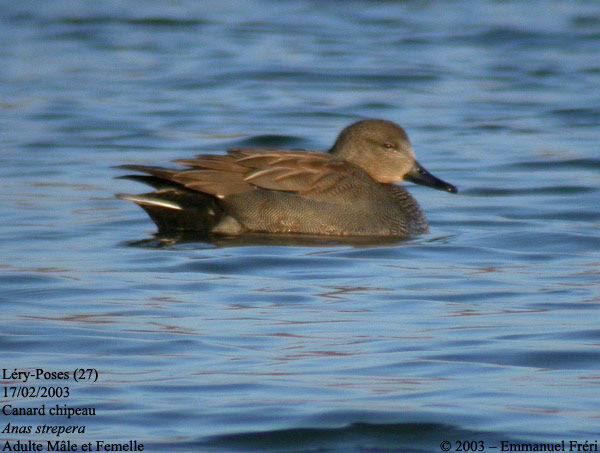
(314, 175)
(216, 175)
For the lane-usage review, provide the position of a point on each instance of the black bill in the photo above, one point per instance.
(419, 175)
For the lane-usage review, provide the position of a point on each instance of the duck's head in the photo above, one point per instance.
(383, 150)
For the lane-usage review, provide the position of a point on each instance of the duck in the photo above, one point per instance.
(350, 190)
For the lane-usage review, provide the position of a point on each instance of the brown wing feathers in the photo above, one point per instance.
(244, 169)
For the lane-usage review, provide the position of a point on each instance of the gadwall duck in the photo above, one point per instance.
(345, 192)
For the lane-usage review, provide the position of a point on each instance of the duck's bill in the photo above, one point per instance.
(419, 175)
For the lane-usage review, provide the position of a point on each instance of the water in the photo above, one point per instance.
(485, 329)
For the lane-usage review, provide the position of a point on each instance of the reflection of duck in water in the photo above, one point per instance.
(346, 192)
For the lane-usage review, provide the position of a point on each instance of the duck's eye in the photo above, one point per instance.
(388, 145)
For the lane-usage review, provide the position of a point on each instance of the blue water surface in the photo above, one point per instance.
(485, 329)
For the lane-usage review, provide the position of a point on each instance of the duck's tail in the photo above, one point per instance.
(173, 208)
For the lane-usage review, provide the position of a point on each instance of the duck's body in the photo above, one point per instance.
(346, 192)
